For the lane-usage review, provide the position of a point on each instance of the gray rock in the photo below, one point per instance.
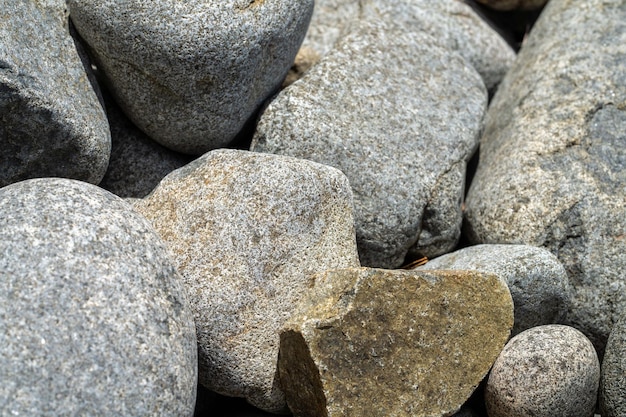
(328, 21)
(545, 371)
(537, 280)
(400, 116)
(137, 163)
(246, 231)
(93, 316)
(552, 157)
(190, 74)
(51, 121)
(612, 383)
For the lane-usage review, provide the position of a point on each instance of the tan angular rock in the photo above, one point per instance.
(373, 342)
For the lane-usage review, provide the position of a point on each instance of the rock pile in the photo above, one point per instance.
(256, 272)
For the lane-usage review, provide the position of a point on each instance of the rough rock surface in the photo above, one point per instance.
(545, 371)
(400, 116)
(191, 73)
(392, 343)
(51, 123)
(328, 21)
(246, 231)
(552, 157)
(514, 4)
(537, 280)
(613, 383)
(93, 316)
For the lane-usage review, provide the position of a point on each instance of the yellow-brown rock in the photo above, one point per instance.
(373, 342)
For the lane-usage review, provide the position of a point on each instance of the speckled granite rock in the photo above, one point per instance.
(329, 19)
(537, 280)
(400, 116)
(137, 163)
(246, 231)
(190, 74)
(552, 157)
(545, 371)
(613, 383)
(51, 121)
(93, 317)
(392, 343)
(514, 4)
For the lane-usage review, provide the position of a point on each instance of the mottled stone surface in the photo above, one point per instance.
(51, 123)
(400, 116)
(93, 316)
(246, 231)
(514, 4)
(329, 19)
(537, 280)
(392, 343)
(137, 163)
(545, 371)
(191, 73)
(613, 383)
(552, 157)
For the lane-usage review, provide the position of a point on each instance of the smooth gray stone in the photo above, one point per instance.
(191, 73)
(400, 116)
(247, 231)
(52, 124)
(328, 21)
(552, 158)
(546, 371)
(137, 163)
(612, 382)
(537, 280)
(93, 316)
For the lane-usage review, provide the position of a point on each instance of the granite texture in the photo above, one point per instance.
(93, 316)
(329, 19)
(400, 116)
(551, 170)
(372, 342)
(612, 383)
(537, 280)
(191, 73)
(545, 371)
(51, 122)
(247, 230)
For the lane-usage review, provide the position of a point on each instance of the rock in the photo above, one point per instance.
(392, 343)
(552, 159)
(400, 117)
(612, 383)
(246, 231)
(550, 370)
(537, 280)
(93, 316)
(328, 21)
(455, 25)
(190, 74)
(137, 163)
(51, 121)
(514, 4)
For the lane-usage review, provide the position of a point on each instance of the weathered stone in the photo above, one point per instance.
(537, 280)
(137, 163)
(514, 4)
(191, 73)
(93, 316)
(328, 21)
(545, 371)
(613, 383)
(51, 123)
(246, 231)
(400, 116)
(372, 342)
(552, 157)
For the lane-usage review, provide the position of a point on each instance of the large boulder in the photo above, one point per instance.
(247, 231)
(191, 73)
(93, 315)
(552, 157)
(51, 122)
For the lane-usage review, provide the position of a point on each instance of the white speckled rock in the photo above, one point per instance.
(546, 371)
(400, 116)
(246, 231)
(51, 123)
(191, 73)
(537, 280)
(552, 157)
(613, 383)
(93, 316)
